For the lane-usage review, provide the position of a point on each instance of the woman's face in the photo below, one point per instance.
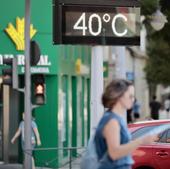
(128, 98)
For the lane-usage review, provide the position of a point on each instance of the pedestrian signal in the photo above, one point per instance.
(10, 73)
(34, 53)
(39, 89)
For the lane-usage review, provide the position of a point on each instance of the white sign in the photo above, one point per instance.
(44, 59)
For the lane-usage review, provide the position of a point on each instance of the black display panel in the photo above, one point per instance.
(96, 24)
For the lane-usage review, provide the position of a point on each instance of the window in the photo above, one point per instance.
(162, 137)
(142, 131)
(168, 137)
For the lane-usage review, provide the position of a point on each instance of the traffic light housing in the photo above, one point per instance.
(34, 53)
(10, 74)
(39, 89)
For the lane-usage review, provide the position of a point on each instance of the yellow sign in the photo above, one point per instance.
(78, 66)
(17, 34)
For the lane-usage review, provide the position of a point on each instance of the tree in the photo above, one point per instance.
(158, 46)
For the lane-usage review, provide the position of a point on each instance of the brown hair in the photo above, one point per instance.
(114, 91)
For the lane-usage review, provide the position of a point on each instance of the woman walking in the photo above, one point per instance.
(112, 139)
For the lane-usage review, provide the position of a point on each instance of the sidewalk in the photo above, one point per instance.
(74, 165)
(16, 166)
(10, 166)
(163, 115)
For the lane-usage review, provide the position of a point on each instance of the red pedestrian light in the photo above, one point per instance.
(39, 89)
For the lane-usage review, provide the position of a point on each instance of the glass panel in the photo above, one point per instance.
(162, 137)
(168, 136)
(142, 131)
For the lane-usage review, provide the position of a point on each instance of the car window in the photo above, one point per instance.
(142, 131)
(168, 137)
(161, 137)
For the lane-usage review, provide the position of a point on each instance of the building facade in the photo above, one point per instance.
(64, 120)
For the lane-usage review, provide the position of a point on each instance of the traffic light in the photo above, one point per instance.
(10, 74)
(39, 89)
(34, 53)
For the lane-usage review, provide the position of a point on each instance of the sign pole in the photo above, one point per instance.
(97, 109)
(27, 126)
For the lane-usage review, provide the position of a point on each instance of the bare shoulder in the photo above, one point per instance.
(113, 124)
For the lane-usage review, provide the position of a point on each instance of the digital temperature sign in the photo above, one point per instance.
(96, 24)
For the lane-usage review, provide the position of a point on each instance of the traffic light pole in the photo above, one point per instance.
(27, 135)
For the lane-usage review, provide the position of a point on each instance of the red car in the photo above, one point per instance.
(153, 156)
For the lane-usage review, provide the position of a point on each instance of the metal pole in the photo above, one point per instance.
(70, 166)
(96, 86)
(121, 65)
(27, 135)
(6, 92)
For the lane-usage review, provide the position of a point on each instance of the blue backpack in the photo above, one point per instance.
(90, 157)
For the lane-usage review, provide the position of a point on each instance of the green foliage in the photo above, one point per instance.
(158, 47)
(148, 6)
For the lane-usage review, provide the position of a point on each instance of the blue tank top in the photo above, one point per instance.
(101, 147)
